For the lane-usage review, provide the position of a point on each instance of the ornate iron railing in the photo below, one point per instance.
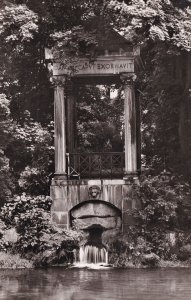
(96, 165)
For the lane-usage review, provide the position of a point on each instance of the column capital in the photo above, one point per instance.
(128, 78)
(58, 81)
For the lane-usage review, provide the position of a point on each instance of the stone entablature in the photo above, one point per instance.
(105, 65)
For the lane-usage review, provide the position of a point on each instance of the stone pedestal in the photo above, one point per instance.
(69, 194)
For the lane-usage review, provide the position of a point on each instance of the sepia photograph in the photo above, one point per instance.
(95, 149)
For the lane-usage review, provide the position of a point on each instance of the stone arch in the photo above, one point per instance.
(91, 214)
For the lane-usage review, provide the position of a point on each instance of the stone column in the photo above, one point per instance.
(59, 129)
(130, 126)
(70, 116)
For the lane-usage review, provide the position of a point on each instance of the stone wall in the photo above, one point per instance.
(95, 214)
(67, 194)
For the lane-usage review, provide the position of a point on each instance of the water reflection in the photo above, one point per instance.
(83, 284)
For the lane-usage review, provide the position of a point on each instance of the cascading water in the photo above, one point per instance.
(92, 257)
(90, 254)
(93, 254)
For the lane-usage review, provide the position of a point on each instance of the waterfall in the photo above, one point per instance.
(92, 255)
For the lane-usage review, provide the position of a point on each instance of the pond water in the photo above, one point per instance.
(85, 284)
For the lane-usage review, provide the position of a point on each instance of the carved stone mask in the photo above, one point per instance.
(94, 191)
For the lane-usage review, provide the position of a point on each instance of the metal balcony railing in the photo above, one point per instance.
(96, 165)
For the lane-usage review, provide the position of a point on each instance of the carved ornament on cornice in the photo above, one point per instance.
(128, 78)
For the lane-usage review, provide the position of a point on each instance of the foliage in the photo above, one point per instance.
(18, 23)
(26, 142)
(26, 154)
(25, 205)
(155, 20)
(33, 151)
(21, 51)
(126, 250)
(161, 199)
(13, 261)
(148, 239)
(6, 181)
(5, 120)
(30, 216)
(100, 119)
(164, 107)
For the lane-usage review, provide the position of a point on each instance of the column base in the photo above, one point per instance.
(63, 176)
(130, 177)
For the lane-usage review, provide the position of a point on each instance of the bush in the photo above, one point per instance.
(30, 216)
(127, 249)
(38, 239)
(23, 208)
(10, 261)
(162, 199)
(185, 252)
